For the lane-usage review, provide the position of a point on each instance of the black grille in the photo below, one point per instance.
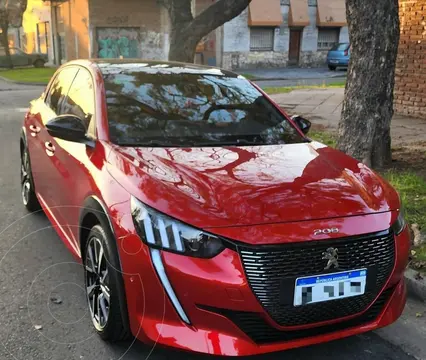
(256, 327)
(272, 272)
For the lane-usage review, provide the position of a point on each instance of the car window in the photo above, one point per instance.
(340, 47)
(16, 51)
(59, 89)
(81, 99)
(174, 108)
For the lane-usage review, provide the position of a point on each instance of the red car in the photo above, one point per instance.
(206, 220)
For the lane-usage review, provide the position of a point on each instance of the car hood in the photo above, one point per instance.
(235, 186)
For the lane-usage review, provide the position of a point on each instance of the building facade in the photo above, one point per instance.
(272, 33)
(410, 79)
(268, 33)
(35, 34)
(109, 29)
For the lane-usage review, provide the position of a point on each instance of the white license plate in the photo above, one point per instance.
(334, 61)
(314, 289)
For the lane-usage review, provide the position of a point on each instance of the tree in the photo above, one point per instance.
(187, 30)
(11, 13)
(364, 129)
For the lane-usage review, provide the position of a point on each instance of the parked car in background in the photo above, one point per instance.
(204, 216)
(339, 56)
(21, 58)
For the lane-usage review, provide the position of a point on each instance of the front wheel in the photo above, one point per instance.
(102, 278)
(331, 67)
(39, 63)
(29, 198)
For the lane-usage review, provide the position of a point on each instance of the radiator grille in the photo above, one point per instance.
(272, 272)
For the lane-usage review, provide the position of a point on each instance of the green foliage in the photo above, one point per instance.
(249, 76)
(421, 253)
(287, 89)
(323, 137)
(29, 75)
(412, 189)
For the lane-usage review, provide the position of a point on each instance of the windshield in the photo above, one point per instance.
(191, 109)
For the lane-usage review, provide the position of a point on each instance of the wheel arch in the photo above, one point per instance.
(22, 140)
(95, 212)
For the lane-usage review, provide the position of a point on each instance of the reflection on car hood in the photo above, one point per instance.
(229, 186)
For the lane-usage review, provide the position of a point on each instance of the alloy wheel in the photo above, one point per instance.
(97, 283)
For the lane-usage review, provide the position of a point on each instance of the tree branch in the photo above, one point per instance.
(216, 15)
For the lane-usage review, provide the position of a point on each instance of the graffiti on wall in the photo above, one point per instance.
(118, 42)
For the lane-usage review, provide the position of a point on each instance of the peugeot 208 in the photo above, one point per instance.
(204, 216)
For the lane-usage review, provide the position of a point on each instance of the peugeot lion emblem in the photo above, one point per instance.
(331, 254)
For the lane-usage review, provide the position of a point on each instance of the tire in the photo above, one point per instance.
(332, 67)
(39, 63)
(28, 196)
(104, 284)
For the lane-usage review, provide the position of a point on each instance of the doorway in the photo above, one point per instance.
(294, 48)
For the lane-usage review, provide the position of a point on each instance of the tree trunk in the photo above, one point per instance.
(187, 31)
(4, 25)
(182, 47)
(364, 129)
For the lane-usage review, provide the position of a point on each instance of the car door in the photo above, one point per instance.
(73, 160)
(19, 58)
(41, 147)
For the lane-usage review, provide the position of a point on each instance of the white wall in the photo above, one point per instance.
(344, 34)
(310, 33)
(236, 36)
(282, 34)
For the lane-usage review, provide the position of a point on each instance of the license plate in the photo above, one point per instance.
(334, 61)
(314, 289)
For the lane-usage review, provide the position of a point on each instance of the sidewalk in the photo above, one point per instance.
(324, 106)
(292, 73)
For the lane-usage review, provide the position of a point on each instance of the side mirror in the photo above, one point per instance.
(68, 127)
(303, 124)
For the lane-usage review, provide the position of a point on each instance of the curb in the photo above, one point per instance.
(415, 288)
(22, 82)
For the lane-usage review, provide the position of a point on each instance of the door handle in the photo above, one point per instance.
(34, 129)
(50, 149)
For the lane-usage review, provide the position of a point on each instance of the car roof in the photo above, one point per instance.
(111, 66)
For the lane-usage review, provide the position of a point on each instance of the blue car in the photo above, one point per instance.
(339, 56)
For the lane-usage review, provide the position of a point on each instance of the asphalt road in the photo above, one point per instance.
(35, 265)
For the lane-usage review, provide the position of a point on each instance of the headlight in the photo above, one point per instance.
(399, 224)
(162, 232)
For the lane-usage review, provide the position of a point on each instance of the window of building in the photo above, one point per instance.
(261, 39)
(43, 33)
(327, 38)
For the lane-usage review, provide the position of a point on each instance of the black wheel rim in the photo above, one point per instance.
(97, 283)
(25, 179)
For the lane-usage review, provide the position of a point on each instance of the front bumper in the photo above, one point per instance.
(219, 302)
